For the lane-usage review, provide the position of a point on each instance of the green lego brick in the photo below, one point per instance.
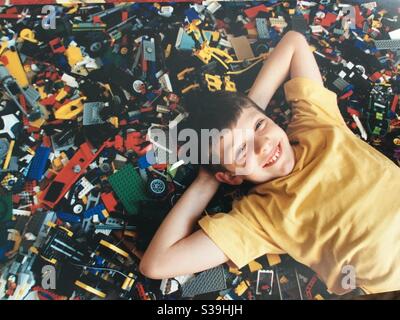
(5, 207)
(129, 187)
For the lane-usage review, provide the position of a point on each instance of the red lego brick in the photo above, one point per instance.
(75, 168)
(109, 201)
(328, 20)
(254, 11)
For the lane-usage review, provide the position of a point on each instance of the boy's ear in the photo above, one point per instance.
(228, 178)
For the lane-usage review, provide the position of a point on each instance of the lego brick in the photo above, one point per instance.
(69, 175)
(6, 206)
(207, 281)
(129, 187)
(387, 44)
(38, 163)
(262, 28)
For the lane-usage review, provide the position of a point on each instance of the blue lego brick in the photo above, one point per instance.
(191, 14)
(4, 249)
(38, 163)
(69, 217)
(147, 160)
(95, 210)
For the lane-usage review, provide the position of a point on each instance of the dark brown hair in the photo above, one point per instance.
(215, 110)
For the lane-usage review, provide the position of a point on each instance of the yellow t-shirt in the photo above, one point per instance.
(339, 207)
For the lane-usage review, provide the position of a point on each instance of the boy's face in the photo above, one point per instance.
(256, 149)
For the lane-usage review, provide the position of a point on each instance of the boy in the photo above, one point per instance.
(321, 194)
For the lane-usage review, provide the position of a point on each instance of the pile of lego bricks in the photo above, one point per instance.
(84, 183)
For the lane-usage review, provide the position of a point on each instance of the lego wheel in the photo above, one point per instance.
(114, 248)
(91, 289)
(157, 188)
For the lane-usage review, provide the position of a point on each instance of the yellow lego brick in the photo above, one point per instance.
(70, 110)
(254, 266)
(15, 68)
(43, 94)
(283, 280)
(215, 35)
(214, 82)
(74, 55)
(37, 123)
(28, 35)
(376, 24)
(167, 51)
(105, 213)
(242, 287)
(61, 94)
(114, 121)
(57, 164)
(235, 271)
(319, 297)
(229, 85)
(84, 199)
(273, 259)
(8, 156)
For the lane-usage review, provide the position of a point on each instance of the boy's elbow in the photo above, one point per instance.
(150, 270)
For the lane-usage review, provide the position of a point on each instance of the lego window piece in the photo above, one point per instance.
(265, 280)
(91, 113)
(185, 42)
(207, 281)
(129, 187)
(262, 28)
(54, 191)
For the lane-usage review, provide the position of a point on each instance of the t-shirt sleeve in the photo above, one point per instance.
(312, 103)
(239, 240)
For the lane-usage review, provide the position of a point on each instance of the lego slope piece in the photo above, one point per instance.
(38, 164)
(129, 187)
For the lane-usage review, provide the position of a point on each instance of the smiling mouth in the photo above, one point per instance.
(277, 153)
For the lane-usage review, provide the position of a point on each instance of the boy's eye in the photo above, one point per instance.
(259, 123)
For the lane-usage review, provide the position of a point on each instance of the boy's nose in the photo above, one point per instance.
(263, 146)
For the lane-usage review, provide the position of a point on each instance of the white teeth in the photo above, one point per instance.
(275, 157)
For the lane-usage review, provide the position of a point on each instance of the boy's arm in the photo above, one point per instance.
(175, 250)
(292, 56)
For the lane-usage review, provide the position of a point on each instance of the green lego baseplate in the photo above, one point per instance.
(129, 188)
(6, 207)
